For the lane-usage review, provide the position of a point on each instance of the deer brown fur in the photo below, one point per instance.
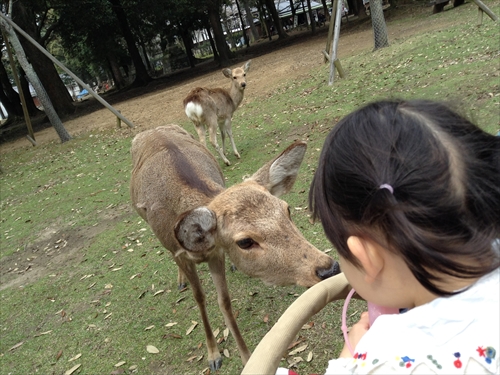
(177, 187)
(212, 107)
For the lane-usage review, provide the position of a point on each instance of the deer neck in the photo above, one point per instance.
(236, 95)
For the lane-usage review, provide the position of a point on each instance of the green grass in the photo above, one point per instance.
(75, 196)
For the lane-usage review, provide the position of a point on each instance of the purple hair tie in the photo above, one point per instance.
(388, 187)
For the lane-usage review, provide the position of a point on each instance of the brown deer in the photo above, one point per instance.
(209, 107)
(177, 187)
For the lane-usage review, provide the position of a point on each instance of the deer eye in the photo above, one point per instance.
(234, 77)
(244, 75)
(245, 243)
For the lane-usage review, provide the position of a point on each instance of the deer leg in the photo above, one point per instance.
(212, 132)
(200, 129)
(218, 273)
(214, 357)
(223, 137)
(181, 279)
(230, 134)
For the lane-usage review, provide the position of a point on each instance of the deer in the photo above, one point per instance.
(211, 107)
(177, 187)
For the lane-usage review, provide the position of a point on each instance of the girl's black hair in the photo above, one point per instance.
(444, 210)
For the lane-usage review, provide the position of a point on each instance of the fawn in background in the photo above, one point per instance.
(215, 107)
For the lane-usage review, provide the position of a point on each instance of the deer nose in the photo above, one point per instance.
(325, 273)
(243, 84)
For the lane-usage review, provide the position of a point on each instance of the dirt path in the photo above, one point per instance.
(161, 101)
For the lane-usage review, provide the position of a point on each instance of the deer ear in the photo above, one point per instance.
(196, 229)
(246, 67)
(227, 72)
(279, 174)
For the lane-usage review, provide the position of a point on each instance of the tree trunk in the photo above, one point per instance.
(30, 104)
(8, 96)
(249, 17)
(115, 70)
(206, 24)
(32, 77)
(276, 18)
(44, 68)
(220, 39)
(188, 45)
(142, 77)
(325, 10)
(245, 36)
(311, 17)
(378, 23)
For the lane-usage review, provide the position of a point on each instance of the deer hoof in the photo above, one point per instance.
(182, 286)
(215, 364)
(227, 162)
(237, 155)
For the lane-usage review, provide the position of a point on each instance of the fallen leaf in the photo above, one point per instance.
(170, 324)
(59, 354)
(226, 353)
(190, 359)
(121, 363)
(152, 349)
(226, 333)
(309, 357)
(216, 332)
(295, 343)
(117, 372)
(294, 361)
(148, 328)
(158, 292)
(298, 350)
(16, 346)
(75, 357)
(308, 325)
(43, 333)
(72, 369)
(266, 318)
(191, 328)
(133, 367)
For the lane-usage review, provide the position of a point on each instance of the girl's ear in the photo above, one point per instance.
(368, 255)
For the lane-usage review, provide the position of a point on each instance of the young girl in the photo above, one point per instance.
(409, 194)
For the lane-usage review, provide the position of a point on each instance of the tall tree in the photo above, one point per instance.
(28, 20)
(213, 8)
(141, 74)
(271, 7)
(378, 23)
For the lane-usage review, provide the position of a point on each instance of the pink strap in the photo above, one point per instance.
(344, 324)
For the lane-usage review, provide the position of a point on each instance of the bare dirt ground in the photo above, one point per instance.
(160, 102)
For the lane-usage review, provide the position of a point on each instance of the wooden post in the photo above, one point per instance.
(479, 16)
(336, 33)
(330, 31)
(486, 10)
(337, 64)
(118, 121)
(20, 90)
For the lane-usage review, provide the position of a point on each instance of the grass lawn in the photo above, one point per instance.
(85, 283)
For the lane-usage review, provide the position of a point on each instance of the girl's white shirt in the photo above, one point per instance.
(450, 335)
